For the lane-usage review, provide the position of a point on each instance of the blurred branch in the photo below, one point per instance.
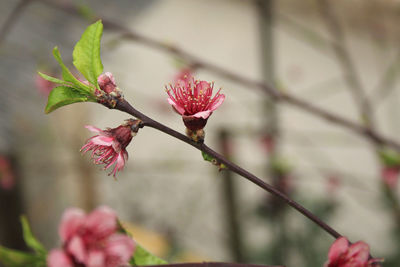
(344, 59)
(12, 18)
(276, 94)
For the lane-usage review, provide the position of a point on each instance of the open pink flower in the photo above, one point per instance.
(109, 146)
(194, 101)
(342, 254)
(91, 240)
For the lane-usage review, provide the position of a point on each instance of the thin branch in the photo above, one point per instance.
(12, 18)
(124, 106)
(344, 59)
(277, 95)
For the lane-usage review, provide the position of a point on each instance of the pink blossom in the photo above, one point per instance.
(91, 240)
(107, 83)
(7, 177)
(342, 254)
(183, 77)
(193, 100)
(109, 146)
(390, 175)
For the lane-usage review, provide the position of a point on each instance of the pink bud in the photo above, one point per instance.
(107, 83)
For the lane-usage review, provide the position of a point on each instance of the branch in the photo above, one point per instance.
(277, 95)
(124, 106)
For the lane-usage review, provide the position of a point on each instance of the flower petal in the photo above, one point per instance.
(203, 114)
(121, 247)
(96, 258)
(71, 221)
(76, 248)
(102, 140)
(102, 222)
(217, 102)
(359, 252)
(58, 258)
(93, 129)
(338, 247)
(177, 108)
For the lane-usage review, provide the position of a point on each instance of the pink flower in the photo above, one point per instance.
(390, 175)
(193, 100)
(109, 146)
(7, 178)
(107, 83)
(91, 240)
(342, 254)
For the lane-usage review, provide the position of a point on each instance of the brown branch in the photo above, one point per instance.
(344, 59)
(124, 106)
(12, 18)
(277, 95)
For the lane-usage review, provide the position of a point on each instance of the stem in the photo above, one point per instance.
(274, 93)
(124, 106)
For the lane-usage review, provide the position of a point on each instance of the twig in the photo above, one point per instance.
(277, 95)
(12, 18)
(124, 106)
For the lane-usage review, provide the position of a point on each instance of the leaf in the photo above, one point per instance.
(52, 79)
(142, 257)
(389, 157)
(67, 75)
(86, 54)
(30, 239)
(15, 258)
(63, 95)
(207, 157)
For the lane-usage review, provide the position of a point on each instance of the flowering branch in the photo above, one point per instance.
(124, 106)
(276, 94)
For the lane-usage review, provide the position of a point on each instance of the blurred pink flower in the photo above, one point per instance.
(193, 100)
(7, 177)
(390, 175)
(342, 254)
(91, 240)
(44, 86)
(109, 146)
(107, 83)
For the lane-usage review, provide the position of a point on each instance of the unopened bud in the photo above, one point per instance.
(107, 83)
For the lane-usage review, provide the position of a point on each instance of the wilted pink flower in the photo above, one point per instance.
(7, 178)
(44, 86)
(193, 100)
(109, 146)
(390, 175)
(342, 254)
(91, 240)
(107, 83)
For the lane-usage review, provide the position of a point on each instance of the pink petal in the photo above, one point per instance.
(77, 248)
(102, 140)
(102, 222)
(58, 258)
(96, 259)
(71, 221)
(120, 246)
(93, 129)
(178, 108)
(217, 102)
(359, 252)
(203, 114)
(338, 247)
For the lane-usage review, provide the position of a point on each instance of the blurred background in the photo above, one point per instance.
(342, 56)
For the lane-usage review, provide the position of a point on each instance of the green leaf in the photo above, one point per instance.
(142, 257)
(64, 95)
(86, 54)
(390, 158)
(15, 258)
(30, 239)
(52, 79)
(67, 75)
(207, 157)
